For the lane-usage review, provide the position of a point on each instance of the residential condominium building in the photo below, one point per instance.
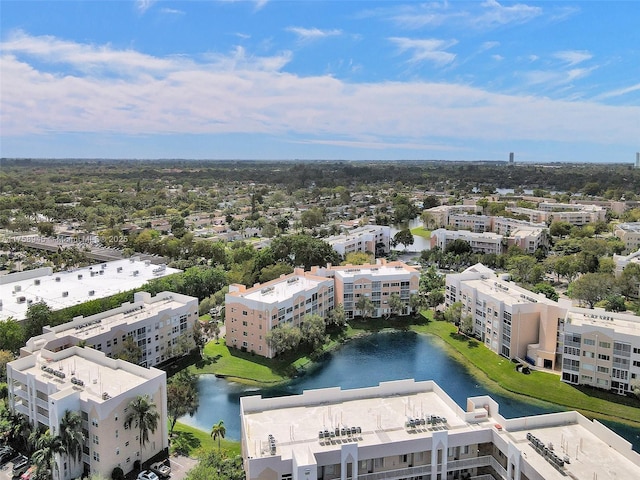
(601, 349)
(441, 215)
(480, 242)
(377, 282)
(161, 326)
(629, 233)
(374, 239)
(52, 379)
(508, 318)
(251, 313)
(414, 430)
(575, 214)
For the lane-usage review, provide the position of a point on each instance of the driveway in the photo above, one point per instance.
(180, 466)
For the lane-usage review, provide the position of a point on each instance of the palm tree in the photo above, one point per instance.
(218, 431)
(44, 458)
(71, 434)
(143, 412)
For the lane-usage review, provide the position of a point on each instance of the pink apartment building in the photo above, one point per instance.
(250, 313)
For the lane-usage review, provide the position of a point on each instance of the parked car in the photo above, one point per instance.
(6, 454)
(20, 465)
(161, 469)
(147, 475)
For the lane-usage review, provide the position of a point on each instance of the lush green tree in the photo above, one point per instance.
(458, 247)
(182, 396)
(303, 250)
(591, 288)
(403, 237)
(358, 258)
(218, 432)
(365, 306)
(435, 298)
(71, 435)
(313, 329)
(466, 324)
(143, 414)
(547, 290)
(396, 305)
(274, 271)
(525, 269)
(615, 303)
(46, 229)
(12, 335)
(44, 458)
(560, 229)
(216, 465)
(430, 201)
(283, 338)
(312, 217)
(453, 313)
(37, 316)
(629, 281)
(337, 316)
(5, 357)
(417, 302)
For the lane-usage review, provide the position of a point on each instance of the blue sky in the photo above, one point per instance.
(270, 79)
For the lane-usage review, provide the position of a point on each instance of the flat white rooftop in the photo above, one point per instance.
(372, 271)
(283, 289)
(622, 323)
(506, 292)
(65, 289)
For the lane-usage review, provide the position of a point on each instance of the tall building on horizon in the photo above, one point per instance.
(511, 157)
(637, 159)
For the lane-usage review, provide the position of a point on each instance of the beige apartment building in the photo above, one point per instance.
(161, 326)
(486, 242)
(414, 431)
(378, 282)
(53, 378)
(250, 313)
(375, 239)
(629, 233)
(575, 214)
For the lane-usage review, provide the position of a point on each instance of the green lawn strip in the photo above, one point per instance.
(538, 385)
(421, 232)
(201, 441)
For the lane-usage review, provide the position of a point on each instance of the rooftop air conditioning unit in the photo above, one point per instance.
(36, 281)
(79, 276)
(57, 279)
(92, 292)
(65, 294)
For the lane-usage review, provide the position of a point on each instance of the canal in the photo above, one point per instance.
(365, 362)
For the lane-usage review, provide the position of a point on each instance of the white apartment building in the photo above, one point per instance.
(629, 233)
(480, 242)
(575, 214)
(377, 282)
(601, 349)
(53, 379)
(507, 318)
(440, 216)
(161, 326)
(251, 313)
(64, 289)
(472, 223)
(414, 430)
(375, 239)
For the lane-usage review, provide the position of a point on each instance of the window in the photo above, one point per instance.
(589, 341)
(603, 357)
(96, 456)
(96, 440)
(94, 422)
(604, 344)
(117, 451)
(603, 369)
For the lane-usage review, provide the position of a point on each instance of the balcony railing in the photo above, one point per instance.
(424, 470)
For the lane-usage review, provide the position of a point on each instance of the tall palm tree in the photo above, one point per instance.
(71, 434)
(44, 458)
(218, 431)
(143, 412)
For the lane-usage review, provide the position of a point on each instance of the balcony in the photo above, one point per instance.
(424, 470)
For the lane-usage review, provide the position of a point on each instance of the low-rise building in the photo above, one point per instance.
(486, 242)
(52, 379)
(629, 233)
(161, 326)
(375, 239)
(414, 430)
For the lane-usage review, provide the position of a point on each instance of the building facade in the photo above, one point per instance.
(52, 379)
(161, 326)
(480, 242)
(375, 239)
(414, 430)
(629, 233)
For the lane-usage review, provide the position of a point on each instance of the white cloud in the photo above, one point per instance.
(488, 46)
(497, 58)
(495, 14)
(618, 92)
(432, 50)
(260, 4)
(573, 57)
(311, 34)
(48, 88)
(171, 11)
(144, 5)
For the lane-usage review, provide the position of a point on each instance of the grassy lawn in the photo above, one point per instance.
(421, 232)
(201, 441)
(539, 385)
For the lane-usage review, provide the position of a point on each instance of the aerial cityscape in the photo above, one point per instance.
(319, 240)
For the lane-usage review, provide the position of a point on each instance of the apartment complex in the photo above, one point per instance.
(601, 349)
(414, 430)
(161, 326)
(64, 289)
(575, 214)
(377, 282)
(588, 346)
(250, 313)
(52, 379)
(629, 233)
(507, 318)
(480, 242)
(375, 239)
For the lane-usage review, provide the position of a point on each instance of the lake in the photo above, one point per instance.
(365, 362)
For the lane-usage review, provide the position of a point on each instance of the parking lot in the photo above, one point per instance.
(179, 468)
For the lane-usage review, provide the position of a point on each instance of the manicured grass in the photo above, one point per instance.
(201, 441)
(538, 385)
(421, 232)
